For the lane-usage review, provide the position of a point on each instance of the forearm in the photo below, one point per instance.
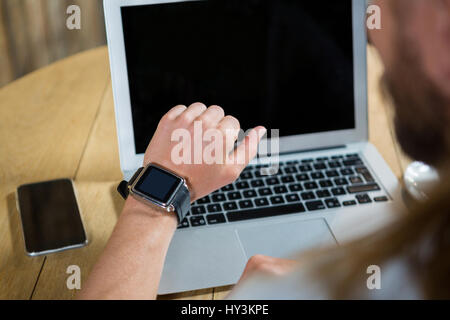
(131, 264)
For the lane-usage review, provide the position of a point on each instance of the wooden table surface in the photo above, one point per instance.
(58, 122)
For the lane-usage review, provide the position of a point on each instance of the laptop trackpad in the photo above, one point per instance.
(285, 238)
(202, 259)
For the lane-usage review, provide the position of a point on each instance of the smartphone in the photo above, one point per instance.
(50, 215)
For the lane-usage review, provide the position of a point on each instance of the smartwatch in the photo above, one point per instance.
(159, 187)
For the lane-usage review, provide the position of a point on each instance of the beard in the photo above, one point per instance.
(421, 122)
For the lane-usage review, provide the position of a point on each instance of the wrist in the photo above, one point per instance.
(137, 208)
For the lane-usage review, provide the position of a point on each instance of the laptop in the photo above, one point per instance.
(295, 66)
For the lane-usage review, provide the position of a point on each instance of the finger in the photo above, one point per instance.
(248, 149)
(212, 116)
(229, 126)
(252, 266)
(279, 266)
(192, 112)
(248, 270)
(173, 113)
(229, 122)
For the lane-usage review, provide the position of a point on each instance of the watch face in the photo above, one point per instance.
(157, 184)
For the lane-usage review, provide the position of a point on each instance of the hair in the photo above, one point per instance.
(419, 236)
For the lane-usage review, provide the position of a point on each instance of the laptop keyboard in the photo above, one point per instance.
(299, 186)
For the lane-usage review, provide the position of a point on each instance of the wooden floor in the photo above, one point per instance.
(59, 122)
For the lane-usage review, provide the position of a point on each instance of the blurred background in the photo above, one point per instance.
(33, 33)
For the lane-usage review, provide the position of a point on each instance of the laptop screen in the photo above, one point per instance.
(283, 64)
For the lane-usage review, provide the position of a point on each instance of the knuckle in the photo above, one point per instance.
(180, 106)
(217, 109)
(234, 120)
(172, 113)
(164, 124)
(198, 104)
(186, 118)
(166, 119)
(206, 122)
(257, 261)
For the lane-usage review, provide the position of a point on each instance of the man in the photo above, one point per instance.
(414, 44)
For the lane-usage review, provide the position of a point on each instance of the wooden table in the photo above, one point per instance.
(59, 122)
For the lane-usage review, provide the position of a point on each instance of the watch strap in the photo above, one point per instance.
(182, 202)
(123, 187)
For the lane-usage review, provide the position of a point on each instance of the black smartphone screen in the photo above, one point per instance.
(50, 216)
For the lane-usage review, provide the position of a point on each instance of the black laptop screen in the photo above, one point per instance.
(284, 64)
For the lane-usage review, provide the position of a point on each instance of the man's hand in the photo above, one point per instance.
(203, 178)
(259, 264)
(132, 262)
